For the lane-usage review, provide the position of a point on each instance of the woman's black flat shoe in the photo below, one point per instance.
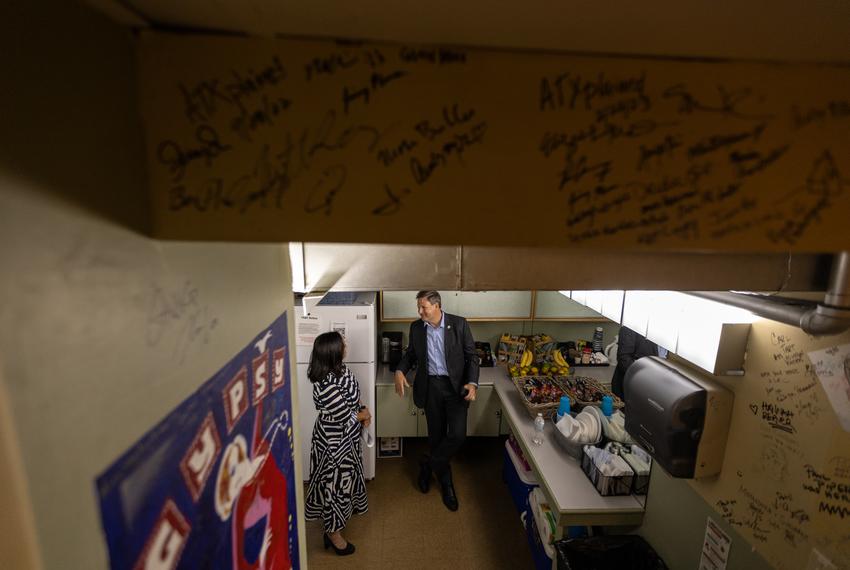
(349, 548)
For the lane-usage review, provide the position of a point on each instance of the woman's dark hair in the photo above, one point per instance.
(328, 350)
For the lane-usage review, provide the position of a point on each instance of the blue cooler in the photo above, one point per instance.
(542, 551)
(520, 482)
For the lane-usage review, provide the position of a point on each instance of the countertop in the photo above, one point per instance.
(486, 376)
(570, 493)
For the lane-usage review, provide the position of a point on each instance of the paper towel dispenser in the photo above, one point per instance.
(682, 420)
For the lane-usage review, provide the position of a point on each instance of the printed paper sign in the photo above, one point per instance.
(213, 484)
(307, 328)
(715, 547)
(832, 366)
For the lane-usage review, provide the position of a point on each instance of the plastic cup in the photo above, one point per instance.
(564, 406)
(607, 405)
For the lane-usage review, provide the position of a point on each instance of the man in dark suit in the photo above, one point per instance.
(630, 347)
(441, 348)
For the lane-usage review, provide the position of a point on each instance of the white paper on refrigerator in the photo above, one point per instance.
(307, 328)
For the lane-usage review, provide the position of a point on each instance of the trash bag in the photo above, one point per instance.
(621, 552)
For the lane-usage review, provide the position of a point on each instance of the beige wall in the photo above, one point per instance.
(102, 331)
(315, 141)
(89, 363)
(784, 436)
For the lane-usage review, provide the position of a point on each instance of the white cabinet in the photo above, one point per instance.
(491, 306)
(394, 416)
(484, 413)
(551, 305)
(401, 305)
(473, 305)
(398, 417)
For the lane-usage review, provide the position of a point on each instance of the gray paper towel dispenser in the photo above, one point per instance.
(681, 419)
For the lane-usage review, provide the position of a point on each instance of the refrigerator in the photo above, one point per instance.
(354, 315)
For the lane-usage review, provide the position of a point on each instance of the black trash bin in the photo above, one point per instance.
(622, 552)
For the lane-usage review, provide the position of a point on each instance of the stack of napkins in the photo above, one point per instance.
(609, 464)
(638, 460)
(615, 428)
(584, 428)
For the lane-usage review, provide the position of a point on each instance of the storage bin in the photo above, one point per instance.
(625, 552)
(538, 534)
(606, 484)
(540, 529)
(640, 485)
(571, 448)
(519, 480)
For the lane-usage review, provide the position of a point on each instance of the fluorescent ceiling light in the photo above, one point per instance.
(666, 314)
(714, 335)
(636, 309)
(593, 299)
(612, 305)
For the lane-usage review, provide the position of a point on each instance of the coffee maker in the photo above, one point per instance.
(391, 349)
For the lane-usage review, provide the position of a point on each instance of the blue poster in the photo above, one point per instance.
(213, 484)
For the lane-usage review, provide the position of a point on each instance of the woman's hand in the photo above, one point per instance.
(364, 416)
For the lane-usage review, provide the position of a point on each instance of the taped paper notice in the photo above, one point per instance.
(339, 327)
(307, 329)
(715, 547)
(832, 366)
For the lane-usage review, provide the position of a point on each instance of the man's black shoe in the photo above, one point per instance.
(449, 497)
(424, 479)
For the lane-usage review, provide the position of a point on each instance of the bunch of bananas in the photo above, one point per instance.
(559, 358)
(526, 359)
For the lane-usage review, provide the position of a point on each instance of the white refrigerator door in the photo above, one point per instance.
(357, 324)
(365, 375)
(306, 417)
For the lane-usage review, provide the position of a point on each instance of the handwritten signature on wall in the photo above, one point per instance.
(177, 316)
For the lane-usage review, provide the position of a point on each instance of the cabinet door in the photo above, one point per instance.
(394, 416)
(504, 425)
(491, 305)
(483, 417)
(401, 305)
(554, 305)
(421, 423)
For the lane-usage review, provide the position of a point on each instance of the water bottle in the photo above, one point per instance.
(597, 340)
(539, 422)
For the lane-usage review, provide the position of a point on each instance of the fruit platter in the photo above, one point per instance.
(527, 367)
(588, 391)
(540, 394)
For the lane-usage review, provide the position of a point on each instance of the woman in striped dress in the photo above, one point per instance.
(337, 487)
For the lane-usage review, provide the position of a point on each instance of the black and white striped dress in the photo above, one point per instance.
(337, 487)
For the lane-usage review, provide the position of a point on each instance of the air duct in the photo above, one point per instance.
(832, 316)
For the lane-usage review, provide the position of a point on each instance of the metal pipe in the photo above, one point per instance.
(830, 317)
(838, 294)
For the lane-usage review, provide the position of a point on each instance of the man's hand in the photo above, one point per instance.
(400, 383)
(473, 391)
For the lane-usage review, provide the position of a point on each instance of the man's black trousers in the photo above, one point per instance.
(445, 412)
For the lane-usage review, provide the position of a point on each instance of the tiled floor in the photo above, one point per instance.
(406, 529)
